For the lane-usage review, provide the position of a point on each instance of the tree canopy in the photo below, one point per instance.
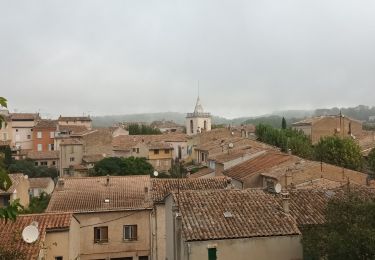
(348, 233)
(343, 152)
(371, 160)
(122, 166)
(136, 129)
(28, 168)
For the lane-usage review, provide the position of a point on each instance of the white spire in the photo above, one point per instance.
(198, 107)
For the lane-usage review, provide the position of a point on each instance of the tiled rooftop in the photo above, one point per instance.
(41, 183)
(126, 142)
(201, 173)
(70, 141)
(250, 213)
(24, 116)
(10, 232)
(89, 194)
(257, 165)
(74, 118)
(40, 155)
(162, 187)
(46, 123)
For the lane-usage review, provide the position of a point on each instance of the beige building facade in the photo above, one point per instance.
(198, 121)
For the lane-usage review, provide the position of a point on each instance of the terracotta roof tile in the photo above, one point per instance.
(10, 232)
(70, 141)
(40, 155)
(89, 194)
(24, 116)
(253, 213)
(201, 173)
(46, 123)
(257, 165)
(162, 187)
(42, 182)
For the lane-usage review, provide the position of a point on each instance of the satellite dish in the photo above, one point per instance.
(277, 187)
(156, 173)
(30, 234)
(230, 145)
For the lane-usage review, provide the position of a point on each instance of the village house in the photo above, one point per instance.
(45, 158)
(334, 125)
(71, 154)
(75, 121)
(18, 190)
(118, 130)
(270, 168)
(167, 126)
(22, 131)
(41, 185)
(114, 215)
(44, 135)
(230, 224)
(160, 189)
(58, 237)
(6, 129)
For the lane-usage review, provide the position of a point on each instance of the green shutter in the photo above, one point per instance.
(212, 254)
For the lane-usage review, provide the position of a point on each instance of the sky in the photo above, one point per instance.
(250, 57)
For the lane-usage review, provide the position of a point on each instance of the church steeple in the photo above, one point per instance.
(198, 107)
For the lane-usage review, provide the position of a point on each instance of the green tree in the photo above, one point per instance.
(28, 168)
(348, 233)
(11, 211)
(7, 152)
(136, 129)
(38, 204)
(371, 160)
(122, 166)
(283, 123)
(343, 152)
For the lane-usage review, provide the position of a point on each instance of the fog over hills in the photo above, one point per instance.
(360, 112)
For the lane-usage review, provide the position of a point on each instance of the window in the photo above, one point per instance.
(28, 136)
(100, 234)
(58, 258)
(157, 163)
(134, 150)
(72, 159)
(212, 253)
(137, 150)
(39, 147)
(130, 232)
(44, 163)
(5, 136)
(72, 149)
(191, 127)
(53, 162)
(143, 257)
(16, 130)
(39, 134)
(51, 147)
(205, 125)
(51, 134)
(36, 163)
(156, 151)
(166, 151)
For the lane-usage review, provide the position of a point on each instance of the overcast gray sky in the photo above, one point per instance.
(251, 57)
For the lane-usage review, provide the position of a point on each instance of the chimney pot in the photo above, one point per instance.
(285, 198)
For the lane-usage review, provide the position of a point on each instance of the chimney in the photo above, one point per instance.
(107, 184)
(285, 198)
(61, 182)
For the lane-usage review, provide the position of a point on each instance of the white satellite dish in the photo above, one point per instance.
(230, 145)
(156, 173)
(30, 234)
(277, 187)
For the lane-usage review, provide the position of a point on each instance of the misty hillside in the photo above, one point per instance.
(360, 112)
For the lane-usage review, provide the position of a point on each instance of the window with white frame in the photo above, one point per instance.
(39, 134)
(130, 232)
(39, 147)
(51, 147)
(51, 134)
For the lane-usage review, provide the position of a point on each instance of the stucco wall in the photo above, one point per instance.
(265, 248)
(74, 239)
(22, 192)
(160, 233)
(116, 246)
(57, 244)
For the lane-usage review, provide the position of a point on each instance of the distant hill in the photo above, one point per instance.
(360, 112)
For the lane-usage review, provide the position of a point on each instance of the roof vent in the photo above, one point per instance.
(228, 214)
(106, 200)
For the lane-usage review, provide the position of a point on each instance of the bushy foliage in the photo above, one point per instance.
(136, 129)
(285, 139)
(348, 233)
(37, 204)
(371, 160)
(28, 167)
(122, 166)
(343, 152)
